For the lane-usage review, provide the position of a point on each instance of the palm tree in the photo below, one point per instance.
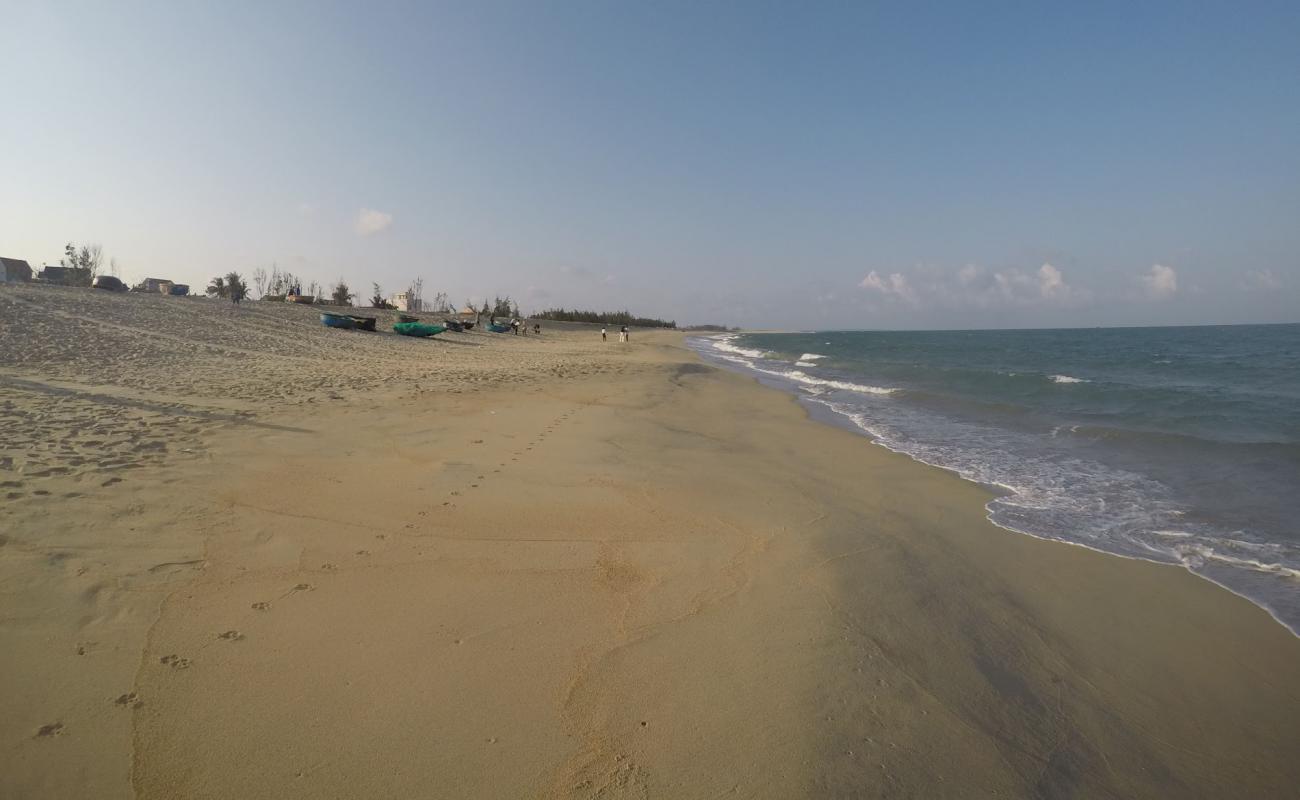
(236, 289)
(218, 288)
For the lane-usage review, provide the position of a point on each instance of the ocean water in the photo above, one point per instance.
(1176, 445)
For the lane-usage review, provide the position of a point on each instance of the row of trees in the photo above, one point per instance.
(604, 318)
(276, 283)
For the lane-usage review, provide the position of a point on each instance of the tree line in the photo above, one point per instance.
(604, 318)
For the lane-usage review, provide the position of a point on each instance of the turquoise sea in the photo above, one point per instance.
(1177, 445)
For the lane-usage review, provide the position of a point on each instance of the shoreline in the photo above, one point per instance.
(831, 416)
(560, 569)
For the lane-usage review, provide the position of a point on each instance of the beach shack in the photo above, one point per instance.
(155, 286)
(403, 301)
(66, 276)
(14, 270)
(467, 314)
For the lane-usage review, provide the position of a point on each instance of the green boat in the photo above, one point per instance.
(417, 329)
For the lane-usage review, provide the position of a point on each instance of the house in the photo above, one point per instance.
(403, 301)
(14, 270)
(467, 313)
(155, 285)
(66, 276)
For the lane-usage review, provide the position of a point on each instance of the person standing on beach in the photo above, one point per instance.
(622, 335)
(602, 335)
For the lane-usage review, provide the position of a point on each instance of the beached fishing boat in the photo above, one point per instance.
(407, 318)
(300, 298)
(499, 328)
(363, 323)
(417, 329)
(336, 321)
(453, 325)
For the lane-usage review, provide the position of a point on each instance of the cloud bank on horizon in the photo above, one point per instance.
(858, 166)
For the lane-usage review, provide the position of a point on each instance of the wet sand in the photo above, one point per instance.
(347, 564)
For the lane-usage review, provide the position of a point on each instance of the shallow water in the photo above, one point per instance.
(1178, 445)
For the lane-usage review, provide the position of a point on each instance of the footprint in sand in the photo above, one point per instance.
(261, 606)
(232, 635)
(175, 662)
(53, 729)
(129, 700)
(302, 587)
(363, 552)
(328, 567)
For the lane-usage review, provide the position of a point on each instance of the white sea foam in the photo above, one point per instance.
(811, 356)
(1068, 379)
(811, 380)
(805, 364)
(724, 344)
(1195, 556)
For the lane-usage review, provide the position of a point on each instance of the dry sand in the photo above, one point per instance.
(247, 556)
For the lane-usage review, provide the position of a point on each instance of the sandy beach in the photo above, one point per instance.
(243, 555)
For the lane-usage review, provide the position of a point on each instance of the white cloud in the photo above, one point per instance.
(1261, 279)
(893, 285)
(1161, 281)
(1051, 283)
(370, 222)
(973, 286)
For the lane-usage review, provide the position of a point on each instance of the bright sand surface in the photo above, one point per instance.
(244, 556)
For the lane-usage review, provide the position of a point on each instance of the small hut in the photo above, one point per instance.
(14, 270)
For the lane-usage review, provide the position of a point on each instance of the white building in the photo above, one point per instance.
(403, 301)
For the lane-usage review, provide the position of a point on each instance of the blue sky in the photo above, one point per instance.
(908, 165)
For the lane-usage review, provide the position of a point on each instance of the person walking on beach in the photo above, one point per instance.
(622, 334)
(602, 335)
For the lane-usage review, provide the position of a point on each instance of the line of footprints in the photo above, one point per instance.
(515, 456)
(177, 662)
(173, 661)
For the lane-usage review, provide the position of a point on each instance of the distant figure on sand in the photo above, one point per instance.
(602, 335)
(537, 328)
(622, 334)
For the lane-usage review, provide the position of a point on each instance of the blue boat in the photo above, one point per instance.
(336, 321)
(498, 328)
